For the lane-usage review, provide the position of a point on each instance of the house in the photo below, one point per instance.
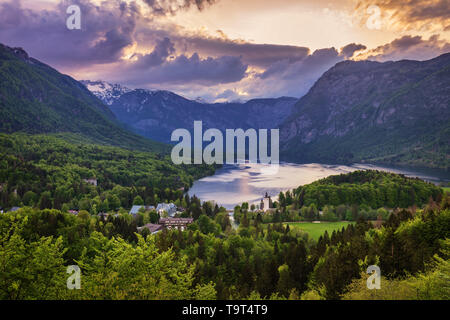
(103, 215)
(74, 212)
(176, 223)
(266, 203)
(153, 228)
(92, 181)
(170, 208)
(135, 209)
(14, 209)
(378, 223)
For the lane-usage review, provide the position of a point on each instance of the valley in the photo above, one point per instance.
(86, 179)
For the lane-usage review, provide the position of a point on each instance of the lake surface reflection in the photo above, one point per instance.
(234, 184)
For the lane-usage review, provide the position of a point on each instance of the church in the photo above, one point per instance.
(266, 203)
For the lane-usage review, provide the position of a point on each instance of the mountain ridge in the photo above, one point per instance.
(391, 113)
(156, 113)
(35, 98)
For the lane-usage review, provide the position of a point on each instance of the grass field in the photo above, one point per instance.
(446, 189)
(315, 230)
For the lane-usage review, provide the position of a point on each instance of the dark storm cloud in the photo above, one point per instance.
(160, 67)
(262, 55)
(209, 71)
(158, 56)
(349, 50)
(106, 31)
(164, 7)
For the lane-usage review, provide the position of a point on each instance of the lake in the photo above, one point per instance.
(233, 184)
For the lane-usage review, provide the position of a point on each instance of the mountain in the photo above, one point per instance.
(156, 113)
(393, 113)
(106, 92)
(35, 98)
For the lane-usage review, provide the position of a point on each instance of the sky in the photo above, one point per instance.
(223, 50)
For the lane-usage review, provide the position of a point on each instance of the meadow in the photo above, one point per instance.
(315, 230)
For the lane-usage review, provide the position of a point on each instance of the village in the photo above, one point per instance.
(169, 215)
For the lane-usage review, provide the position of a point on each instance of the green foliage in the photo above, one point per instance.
(30, 270)
(48, 171)
(432, 284)
(370, 188)
(271, 263)
(138, 201)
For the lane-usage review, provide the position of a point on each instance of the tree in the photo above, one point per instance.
(283, 285)
(31, 270)
(126, 271)
(84, 215)
(207, 225)
(328, 214)
(45, 201)
(154, 216)
(138, 201)
(29, 198)
(114, 202)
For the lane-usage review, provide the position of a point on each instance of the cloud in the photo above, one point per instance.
(107, 30)
(298, 77)
(261, 55)
(208, 71)
(156, 68)
(165, 7)
(158, 56)
(120, 42)
(349, 50)
(411, 14)
(408, 47)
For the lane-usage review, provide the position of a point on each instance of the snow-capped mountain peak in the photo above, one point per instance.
(105, 91)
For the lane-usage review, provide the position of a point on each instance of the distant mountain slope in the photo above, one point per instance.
(156, 113)
(392, 112)
(34, 98)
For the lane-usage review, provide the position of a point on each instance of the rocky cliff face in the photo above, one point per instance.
(392, 112)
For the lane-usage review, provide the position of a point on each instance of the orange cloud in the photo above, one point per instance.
(426, 15)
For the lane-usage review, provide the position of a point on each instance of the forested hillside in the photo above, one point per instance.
(48, 171)
(370, 188)
(367, 194)
(392, 112)
(35, 98)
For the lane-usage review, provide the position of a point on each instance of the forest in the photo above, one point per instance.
(214, 260)
(50, 171)
(368, 194)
